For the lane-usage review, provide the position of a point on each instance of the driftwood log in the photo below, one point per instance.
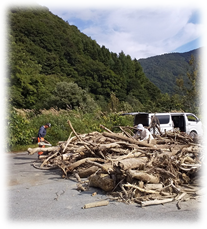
(143, 176)
(103, 181)
(155, 202)
(84, 173)
(132, 163)
(127, 139)
(96, 204)
(38, 149)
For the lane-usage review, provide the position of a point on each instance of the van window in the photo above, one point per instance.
(164, 119)
(191, 118)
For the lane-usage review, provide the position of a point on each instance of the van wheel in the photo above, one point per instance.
(193, 134)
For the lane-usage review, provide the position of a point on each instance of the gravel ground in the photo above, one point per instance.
(42, 196)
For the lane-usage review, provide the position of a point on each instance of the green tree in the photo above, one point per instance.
(114, 103)
(70, 95)
(190, 93)
(24, 80)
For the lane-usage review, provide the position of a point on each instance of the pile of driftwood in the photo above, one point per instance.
(128, 169)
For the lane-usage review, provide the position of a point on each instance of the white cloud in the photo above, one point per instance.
(204, 2)
(1, 1)
(139, 31)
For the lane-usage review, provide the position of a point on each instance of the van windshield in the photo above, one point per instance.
(164, 119)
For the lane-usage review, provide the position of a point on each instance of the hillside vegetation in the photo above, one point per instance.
(46, 50)
(163, 70)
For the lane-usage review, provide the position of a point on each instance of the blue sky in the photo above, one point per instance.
(140, 30)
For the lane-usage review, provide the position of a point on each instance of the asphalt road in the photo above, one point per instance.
(42, 196)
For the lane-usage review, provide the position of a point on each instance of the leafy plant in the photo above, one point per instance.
(190, 93)
(18, 131)
(70, 95)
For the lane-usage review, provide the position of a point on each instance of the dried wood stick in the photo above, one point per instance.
(79, 137)
(80, 162)
(154, 187)
(105, 167)
(45, 161)
(39, 149)
(139, 143)
(63, 169)
(123, 189)
(126, 133)
(180, 196)
(77, 177)
(149, 163)
(129, 155)
(141, 189)
(155, 202)
(130, 129)
(188, 159)
(129, 145)
(191, 165)
(165, 172)
(74, 131)
(96, 204)
(80, 187)
(103, 127)
(171, 183)
(143, 176)
(119, 150)
(103, 147)
(84, 173)
(68, 141)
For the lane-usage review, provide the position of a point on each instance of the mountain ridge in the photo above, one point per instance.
(46, 50)
(163, 70)
(49, 58)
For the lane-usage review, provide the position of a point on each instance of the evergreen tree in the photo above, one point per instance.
(190, 93)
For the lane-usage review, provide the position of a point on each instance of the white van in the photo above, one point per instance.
(185, 122)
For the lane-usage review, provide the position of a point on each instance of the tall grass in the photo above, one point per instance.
(81, 122)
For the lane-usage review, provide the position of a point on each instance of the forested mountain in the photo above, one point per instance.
(163, 70)
(46, 51)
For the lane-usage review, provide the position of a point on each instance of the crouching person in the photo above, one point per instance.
(144, 134)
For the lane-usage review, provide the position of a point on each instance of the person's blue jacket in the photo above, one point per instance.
(42, 132)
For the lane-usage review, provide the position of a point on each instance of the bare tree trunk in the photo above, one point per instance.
(102, 181)
(132, 163)
(39, 149)
(143, 176)
(124, 138)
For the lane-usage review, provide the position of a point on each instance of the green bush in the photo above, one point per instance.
(18, 131)
(71, 95)
(82, 123)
